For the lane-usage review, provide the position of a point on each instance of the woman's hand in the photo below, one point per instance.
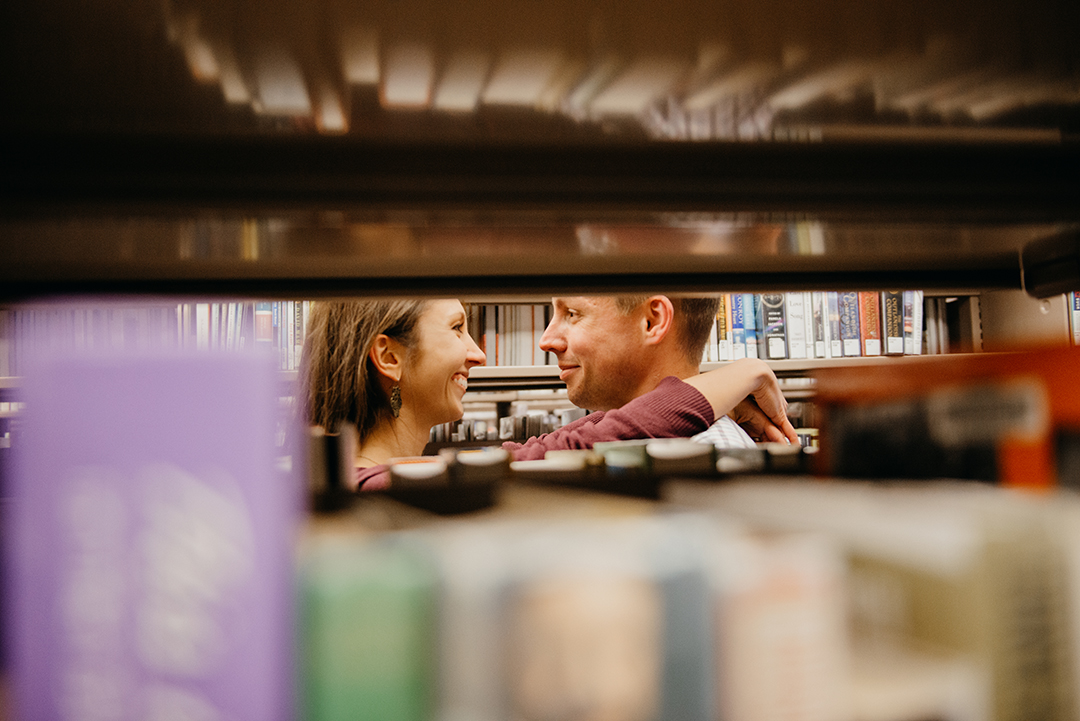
(759, 426)
(748, 391)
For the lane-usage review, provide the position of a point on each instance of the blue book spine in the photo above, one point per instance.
(849, 323)
(751, 324)
(738, 327)
(836, 344)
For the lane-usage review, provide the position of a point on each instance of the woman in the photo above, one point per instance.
(396, 368)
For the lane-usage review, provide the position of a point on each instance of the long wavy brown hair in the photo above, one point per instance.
(340, 383)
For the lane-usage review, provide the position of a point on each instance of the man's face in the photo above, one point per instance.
(599, 351)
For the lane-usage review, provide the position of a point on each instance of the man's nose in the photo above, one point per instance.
(552, 341)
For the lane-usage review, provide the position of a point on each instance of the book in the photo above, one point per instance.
(711, 354)
(202, 326)
(795, 324)
(750, 322)
(723, 327)
(1074, 316)
(491, 334)
(836, 341)
(379, 659)
(773, 321)
(781, 624)
(1002, 418)
(821, 325)
(300, 309)
(169, 579)
(870, 322)
(965, 571)
(848, 303)
(913, 336)
(541, 314)
(264, 324)
(893, 313)
(738, 328)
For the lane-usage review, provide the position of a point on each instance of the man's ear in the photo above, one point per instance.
(658, 318)
(388, 357)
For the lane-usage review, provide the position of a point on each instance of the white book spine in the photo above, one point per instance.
(795, 324)
(202, 326)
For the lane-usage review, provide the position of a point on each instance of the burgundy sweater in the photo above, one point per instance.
(672, 410)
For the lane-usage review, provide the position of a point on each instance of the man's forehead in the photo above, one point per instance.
(583, 300)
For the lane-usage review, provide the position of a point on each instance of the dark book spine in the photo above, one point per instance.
(892, 309)
(772, 308)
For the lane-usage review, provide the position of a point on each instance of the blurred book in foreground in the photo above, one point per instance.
(1007, 418)
(150, 540)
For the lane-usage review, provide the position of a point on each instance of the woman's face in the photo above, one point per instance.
(437, 375)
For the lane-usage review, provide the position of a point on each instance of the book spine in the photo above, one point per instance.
(202, 326)
(711, 352)
(808, 318)
(539, 326)
(751, 324)
(820, 312)
(5, 342)
(738, 328)
(290, 335)
(772, 314)
(892, 310)
(723, 314)
(298, 337)
(491, 333)
(848, 304)
(870, 322)
(795, 324)
(916, 323)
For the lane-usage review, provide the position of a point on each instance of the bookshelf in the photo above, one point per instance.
(196, 151)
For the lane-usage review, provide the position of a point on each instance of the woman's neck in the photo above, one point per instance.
(391, 439)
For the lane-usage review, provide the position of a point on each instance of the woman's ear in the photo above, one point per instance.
(388, 357)
(659, 318)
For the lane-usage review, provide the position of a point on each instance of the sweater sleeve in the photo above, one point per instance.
(672, 410)
(375, 478)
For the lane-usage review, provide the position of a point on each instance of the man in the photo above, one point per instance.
(612, 350)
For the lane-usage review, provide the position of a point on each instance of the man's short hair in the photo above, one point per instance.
(694, 320)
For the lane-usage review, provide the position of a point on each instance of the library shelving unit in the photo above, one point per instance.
(511, 151)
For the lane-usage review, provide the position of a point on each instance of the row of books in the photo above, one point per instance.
(509, 334)
(520, 425)
(817, 324)
(617, 613)
(796, 599)
(979, 586)
(277, 325)
(771, 326)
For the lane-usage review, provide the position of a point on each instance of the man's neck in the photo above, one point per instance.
(659, 372)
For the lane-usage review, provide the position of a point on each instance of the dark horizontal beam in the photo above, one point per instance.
(260, 175)
(514, 276)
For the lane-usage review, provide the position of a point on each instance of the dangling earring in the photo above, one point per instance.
(395, 401)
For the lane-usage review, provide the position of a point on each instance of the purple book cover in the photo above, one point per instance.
(150, 541)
